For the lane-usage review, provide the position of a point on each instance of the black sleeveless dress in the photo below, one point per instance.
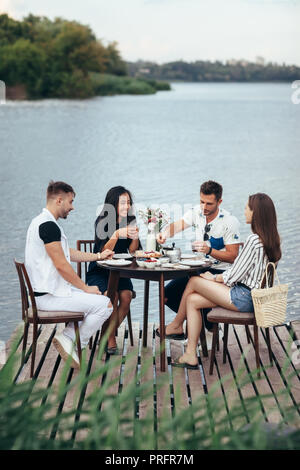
(98, 276)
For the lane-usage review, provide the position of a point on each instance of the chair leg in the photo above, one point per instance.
(91, 342)
(225, 342)
(248, 334)
(130, 327)
(33, 352)
(77, 334)
(25, 336)
(213, 348)
(269, 345)
(203, 341)
(256, 347)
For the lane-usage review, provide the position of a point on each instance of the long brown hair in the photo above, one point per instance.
(264, 224)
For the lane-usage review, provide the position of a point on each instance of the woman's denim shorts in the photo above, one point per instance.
(240, 296)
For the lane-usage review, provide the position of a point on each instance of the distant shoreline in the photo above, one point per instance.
(216, 72)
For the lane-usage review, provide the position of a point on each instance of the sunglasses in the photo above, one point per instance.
(206, 230)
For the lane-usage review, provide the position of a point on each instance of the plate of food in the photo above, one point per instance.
(147, 254)
(147, 262)
(122, 256)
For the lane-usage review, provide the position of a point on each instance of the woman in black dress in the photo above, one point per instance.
(116, 230)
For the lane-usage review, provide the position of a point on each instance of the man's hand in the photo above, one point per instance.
(161, 238)
(201, 247)
(92, 290)
(106, 254)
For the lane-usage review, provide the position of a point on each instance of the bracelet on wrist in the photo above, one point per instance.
(209, 251)
(99, 256)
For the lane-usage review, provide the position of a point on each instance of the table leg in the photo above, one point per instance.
(162, 323)
(146, 307)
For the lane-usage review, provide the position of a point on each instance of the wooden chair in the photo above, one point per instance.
(31, 315)
(223, 315)
(87, 246)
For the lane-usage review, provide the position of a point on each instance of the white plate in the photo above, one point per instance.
(194, 262)
(188, 256)
(122, 256)
(118, 262)
(180, 266)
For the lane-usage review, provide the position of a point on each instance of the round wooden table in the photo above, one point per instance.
(160, 275)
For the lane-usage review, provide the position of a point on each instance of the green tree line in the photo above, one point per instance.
(61, 59)
(205, 71)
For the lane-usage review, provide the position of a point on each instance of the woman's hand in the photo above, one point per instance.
(133, 232)
(208, 275)
(122, 232)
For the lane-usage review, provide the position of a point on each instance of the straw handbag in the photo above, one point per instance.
(270, 303)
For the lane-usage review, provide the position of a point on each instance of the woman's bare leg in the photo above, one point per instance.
(119, 313)
(194, 302)
(176, 325)
(124, 304)
(112, 324)
(212, 294)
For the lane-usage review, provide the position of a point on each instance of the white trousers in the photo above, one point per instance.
(95, 309)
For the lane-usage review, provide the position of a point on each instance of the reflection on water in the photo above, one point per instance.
(162, 147)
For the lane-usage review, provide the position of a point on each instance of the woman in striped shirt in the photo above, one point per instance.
(232, 289)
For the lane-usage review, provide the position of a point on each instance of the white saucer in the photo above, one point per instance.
(118, 262)
(122, 256)
(188, 256)
(192, 262)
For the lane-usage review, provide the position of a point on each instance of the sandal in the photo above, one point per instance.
(183, 365)
(176, 336)
(114, 351)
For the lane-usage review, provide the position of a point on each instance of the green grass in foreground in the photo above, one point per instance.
(107, 85)
(29, 419)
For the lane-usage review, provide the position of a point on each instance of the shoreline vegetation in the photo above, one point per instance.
(43, 58)
(206, 71)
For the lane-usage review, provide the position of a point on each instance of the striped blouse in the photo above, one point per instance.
(249, 267)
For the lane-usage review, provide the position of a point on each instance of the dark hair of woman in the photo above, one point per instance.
(264, 224)
(108, 219)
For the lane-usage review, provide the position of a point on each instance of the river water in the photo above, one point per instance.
(161, 147)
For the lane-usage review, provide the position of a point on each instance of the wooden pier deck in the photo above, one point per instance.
(177, 389)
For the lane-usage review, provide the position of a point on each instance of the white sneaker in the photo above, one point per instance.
(66, 348)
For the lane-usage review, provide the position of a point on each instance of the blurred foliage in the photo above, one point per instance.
(205, 71)
(105, 84)
(54, 58)
(33, 415)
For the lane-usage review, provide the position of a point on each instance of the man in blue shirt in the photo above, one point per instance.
(217, 236)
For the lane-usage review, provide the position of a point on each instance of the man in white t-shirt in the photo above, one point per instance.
(217, 235)
(55, 284)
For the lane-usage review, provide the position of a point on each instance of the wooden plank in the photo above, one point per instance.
(164, 407)
(176, 389)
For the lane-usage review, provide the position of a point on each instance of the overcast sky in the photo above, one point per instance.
(167, 30)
